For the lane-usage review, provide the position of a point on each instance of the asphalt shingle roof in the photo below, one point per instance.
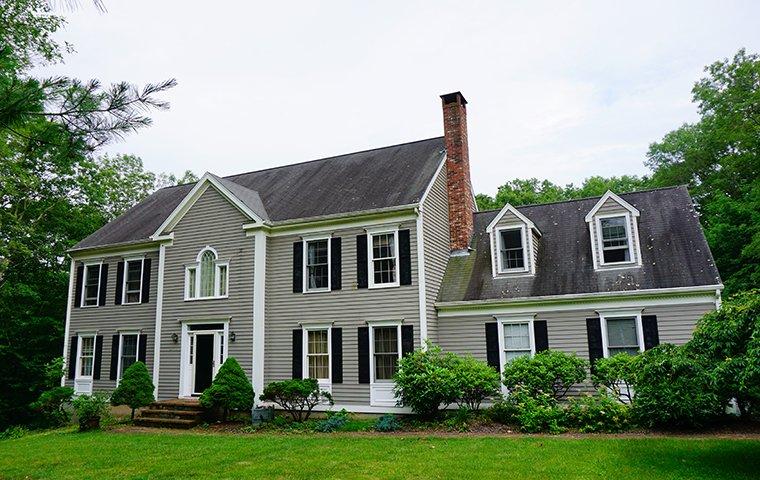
(673, 249)
(372, 179)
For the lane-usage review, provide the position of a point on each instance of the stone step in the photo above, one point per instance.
(166, 422)
(178, 404)
(166, 413)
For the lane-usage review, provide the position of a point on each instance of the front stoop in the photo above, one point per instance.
(177, 413)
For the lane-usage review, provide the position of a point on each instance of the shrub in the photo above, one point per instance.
(90, 409)
(618, 374)
(537, 412)
(387, 423)
(504, 412)
(426, 382)
(230, 390)
(52, 407)
(14, 432)
(674, 390)
(334, 421)
(297, 397)
(728, 340)
(135, 388)
(549, 372)
(475, 381)
(598, 413)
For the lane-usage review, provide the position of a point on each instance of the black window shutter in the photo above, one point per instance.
(103, 284)
(98, 357)
(298, 353)
(407, 339)
(363, 344)
(298, 268)
(335, 268)
(337, 355)
(540, 335)
(405, 258)
(594, 332)
(145, 297)
(119, 285)
(78, 289)
(362, 279)
(143, 347)
(651, 333)
(114, 357)
(492, 345)
(73, 347)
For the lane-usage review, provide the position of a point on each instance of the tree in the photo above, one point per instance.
(135, 388)
(230, 390)
(718, 157)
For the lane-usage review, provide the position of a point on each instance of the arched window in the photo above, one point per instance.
(207, 278)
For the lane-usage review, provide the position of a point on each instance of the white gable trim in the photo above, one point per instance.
(513, 210)
(620, 201)
(192, 197)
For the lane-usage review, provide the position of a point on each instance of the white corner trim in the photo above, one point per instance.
(69, 297)
(607, 196)
(159, 315)
(259, 276)
(509, 208)
(421, 279)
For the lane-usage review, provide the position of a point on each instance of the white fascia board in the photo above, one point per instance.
(432, 181)
(620, 201)
(509, 208)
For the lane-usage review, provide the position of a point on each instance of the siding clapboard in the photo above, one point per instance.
(435, 231)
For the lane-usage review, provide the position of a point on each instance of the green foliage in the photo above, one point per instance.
(617, 374)
(728, 340)
(549, 372)
(387, 423)
(503, 412)
(230, 390)
(26, 31)
(426, 381)
(13, 432)
(298, 397)
(475, 381)
(135, 388)
(90, 409)
(334, 421)
(52, 407)
(536, 412)
(674, 390)
(598, 413)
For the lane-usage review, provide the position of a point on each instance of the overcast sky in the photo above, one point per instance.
(557, 90)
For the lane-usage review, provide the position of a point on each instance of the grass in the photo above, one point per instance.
(67, 454)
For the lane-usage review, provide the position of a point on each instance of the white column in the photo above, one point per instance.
(159, 313)
(259, 276)
(72, 272)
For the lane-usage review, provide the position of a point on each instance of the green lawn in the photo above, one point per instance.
(195, 455)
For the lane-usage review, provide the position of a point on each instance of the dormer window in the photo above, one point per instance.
(615, 245)
(512, 251)
(207, 278)
(613, 227)
(514, 243)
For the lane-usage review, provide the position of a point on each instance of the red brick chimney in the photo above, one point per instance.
(461, 203)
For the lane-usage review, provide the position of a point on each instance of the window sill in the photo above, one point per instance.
(91, 306)
(383, 285)
(200, 299)
(321, 290)
(132, 303)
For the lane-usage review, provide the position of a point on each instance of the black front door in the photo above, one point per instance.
(204, 358)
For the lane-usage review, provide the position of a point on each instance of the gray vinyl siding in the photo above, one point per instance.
(348, 308)
(211, 221)
(109, 319)
(435, 231)
(612, 207)
(567, 329)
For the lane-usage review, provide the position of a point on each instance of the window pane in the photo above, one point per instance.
(511, 238)
(86, 356)
(385, 366)
(316, 252)
(621, 336)
(617, 255)
(512, 249)
(133, 281)
(316, 264)
(92, 280)
(191, 283)
(383, 245)
(511, 355)
(516, 336)
(223, 280)
(615, 240)
(319, 366)
(385, 271)
(317, 341)
(207, 274)
(386, 340)
(128, 351)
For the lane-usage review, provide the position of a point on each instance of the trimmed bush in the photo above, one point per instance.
(387, 423)
(135, 388)
(598, 413)
(426, 381)
(503, 412)
(475, 381)
(537, 412)
(674, 390)
(550, 372)
(617, 374)
(230, 390)
(90, 409)
(298, 397)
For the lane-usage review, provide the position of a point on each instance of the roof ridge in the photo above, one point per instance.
(672, 187)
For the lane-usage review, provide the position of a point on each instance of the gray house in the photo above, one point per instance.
(335, 268)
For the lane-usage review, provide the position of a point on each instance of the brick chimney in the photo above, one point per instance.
(459, 186)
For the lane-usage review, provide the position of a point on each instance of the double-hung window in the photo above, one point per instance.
(614, 239)
(207, 278)
(317, 265)
(517, 340)
(383, 259)
(318, 354)
(129, 347)
(86, 355)
(622, 336)
(91, 285)
(386, 352)
(512, 251)
(133, 271)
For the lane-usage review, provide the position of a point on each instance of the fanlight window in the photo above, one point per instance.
(207, 278)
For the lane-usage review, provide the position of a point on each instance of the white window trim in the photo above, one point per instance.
(526, 257)
(513, 319)
(217, 278)
(380, 324)
(124, 280)
(629, 238)
(305, 268)
(83, 383)
(605, 315)
(305, 350)
(370, 257)
(84, 284)
(119, 372)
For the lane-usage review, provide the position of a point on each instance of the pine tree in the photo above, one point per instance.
(230, 390)
(135, 388)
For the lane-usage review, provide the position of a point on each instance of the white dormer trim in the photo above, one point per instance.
(527, 228)
(199, 189)
(609, 195)
(509, 208)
